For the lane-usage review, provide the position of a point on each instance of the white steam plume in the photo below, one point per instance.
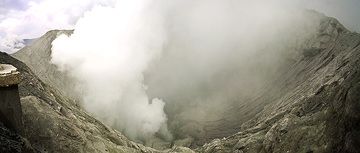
(108, 52)
(219, 54)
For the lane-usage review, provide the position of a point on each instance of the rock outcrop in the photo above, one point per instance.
(12, 142)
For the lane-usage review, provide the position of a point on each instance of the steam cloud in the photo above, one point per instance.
(202, 57)
(219, 55)
(26, 19)
(107, 53)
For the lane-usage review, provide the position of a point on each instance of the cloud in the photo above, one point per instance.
(30, 19)
(24, 19)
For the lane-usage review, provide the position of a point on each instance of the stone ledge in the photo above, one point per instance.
(8, 75)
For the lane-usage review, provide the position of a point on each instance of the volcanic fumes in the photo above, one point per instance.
(200, 57)
(108, 56)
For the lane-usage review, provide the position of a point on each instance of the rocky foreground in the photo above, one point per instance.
(314, 107)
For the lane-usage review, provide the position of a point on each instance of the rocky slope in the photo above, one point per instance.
(37, 56)
(311, 106)
(54, 123)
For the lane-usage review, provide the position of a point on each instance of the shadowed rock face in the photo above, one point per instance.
(11, 122)
(10, 108)
(12, 142)
(311, 106)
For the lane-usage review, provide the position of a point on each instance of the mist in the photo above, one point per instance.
(221, 54)
(107, 56)
(156, 67)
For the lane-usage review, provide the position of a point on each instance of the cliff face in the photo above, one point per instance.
(315, 107)
(54, 123)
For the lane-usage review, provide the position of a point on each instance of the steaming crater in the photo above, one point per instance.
(220, 69)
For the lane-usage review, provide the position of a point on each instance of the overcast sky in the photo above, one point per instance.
(22, 19)
(346, 11)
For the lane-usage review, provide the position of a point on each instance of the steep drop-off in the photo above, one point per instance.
(312, 105)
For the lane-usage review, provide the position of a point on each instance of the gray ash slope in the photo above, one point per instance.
(312, 106)
(315, 107)
(54, 123)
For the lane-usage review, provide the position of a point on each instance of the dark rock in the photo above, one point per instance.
(310, 52)
(10, 108)
(11, 142)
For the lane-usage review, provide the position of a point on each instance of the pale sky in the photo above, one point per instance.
(346, 11)
(23, 19)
